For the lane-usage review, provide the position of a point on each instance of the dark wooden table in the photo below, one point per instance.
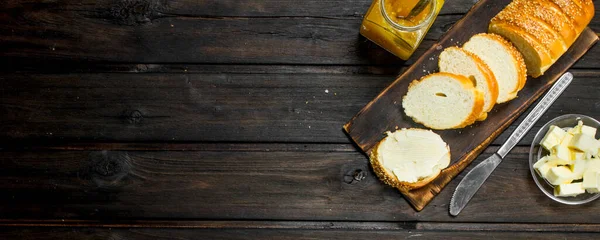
(222, 119)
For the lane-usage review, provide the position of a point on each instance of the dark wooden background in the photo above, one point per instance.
(222, 119)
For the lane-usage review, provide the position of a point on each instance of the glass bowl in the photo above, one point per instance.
(536, 152)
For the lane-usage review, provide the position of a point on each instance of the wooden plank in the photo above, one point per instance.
(275, 185)
(221, 146)
(248, 105)
(181, 107)
(137, 31)
(265, 41)
(306, 225)
(269, 8)
(217, 8)
(151, 234)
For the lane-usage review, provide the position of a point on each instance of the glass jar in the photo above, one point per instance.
(399, 26)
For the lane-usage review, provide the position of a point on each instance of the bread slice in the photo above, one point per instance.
(536, 56)
(409, 158)
(443, 101)
(515, 13)
(504, 60)
(458, 61)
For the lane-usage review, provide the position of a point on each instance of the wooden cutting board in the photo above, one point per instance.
(385, 112)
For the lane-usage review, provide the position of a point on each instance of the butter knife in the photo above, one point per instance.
(469, 185)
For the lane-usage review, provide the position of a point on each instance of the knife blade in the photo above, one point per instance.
(469, 185)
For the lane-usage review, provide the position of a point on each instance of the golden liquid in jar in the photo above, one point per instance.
(404, 25)
(401, 12)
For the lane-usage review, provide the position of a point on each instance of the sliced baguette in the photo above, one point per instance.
(459, 61)
(443, 101)
(503, 59)
(409, 158)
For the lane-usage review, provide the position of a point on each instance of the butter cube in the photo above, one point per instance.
(559, 175)
(553, 137)
(593, 165)
(556, 161)
(576, 129)
(587, 130)
(578, 168)
(566, 139)
(544, 165)
(561, 151)
(541, 167)
(591, 181)
(568, 190)
(584, 143)
(575, 154)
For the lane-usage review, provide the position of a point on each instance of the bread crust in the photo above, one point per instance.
(516, 14)
(518, 60)
(549, 26)
(551, 14)
(489, 77)
(389, 178)
(581, 12)
(477, 108)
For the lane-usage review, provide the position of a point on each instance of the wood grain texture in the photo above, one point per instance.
(132, 33)
(154, 119)
(266, 182)
(213, 104)
(160, 234)
(385, 112)
(305, 225)
(219, 8)
(152, 31)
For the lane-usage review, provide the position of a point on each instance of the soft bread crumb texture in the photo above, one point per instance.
(458, 61)
(443, 101)
(503, 59)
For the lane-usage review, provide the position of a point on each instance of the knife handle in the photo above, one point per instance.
(535, 114)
